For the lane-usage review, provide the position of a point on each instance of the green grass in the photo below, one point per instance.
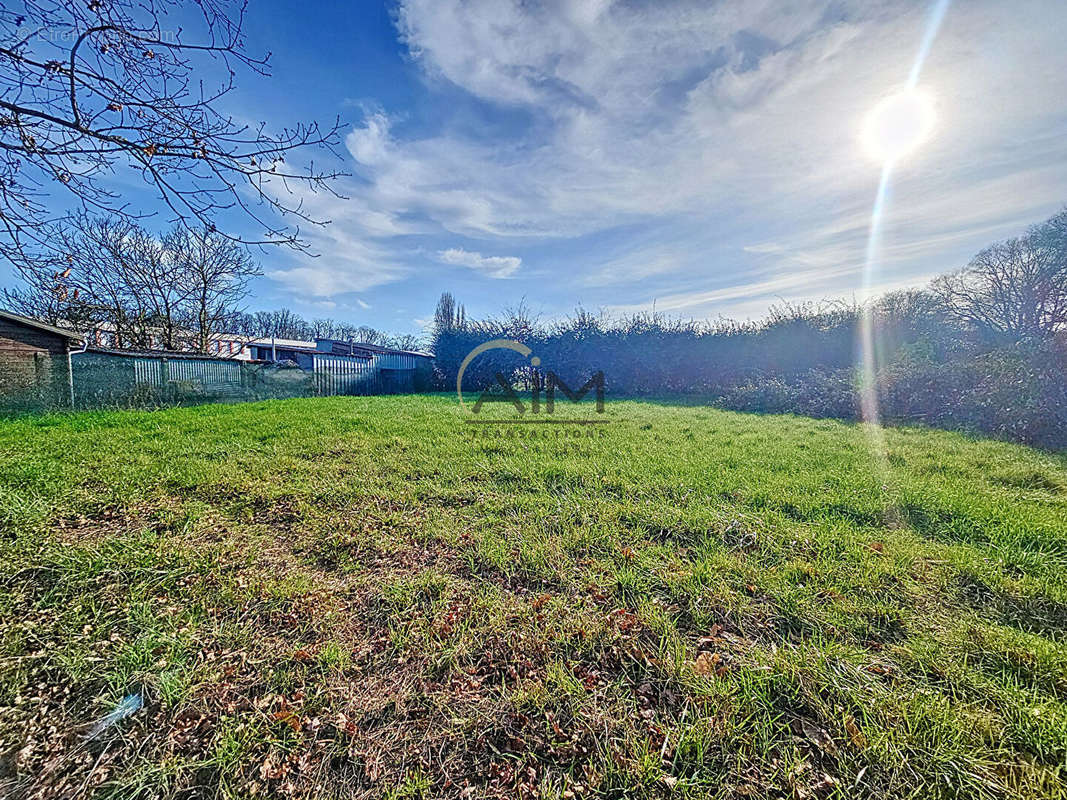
(359, 597)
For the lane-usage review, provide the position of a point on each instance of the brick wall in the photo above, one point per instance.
(33, 367)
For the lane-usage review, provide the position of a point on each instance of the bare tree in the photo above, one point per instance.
(345, 331)
(405, 341)
(1052, 235)
(282, 324)
(154, 278)
(449, 314)
(1014, 288)
(519, 321)
(365, 334)
(214, 273)
(43, 305)
(146, 293)
(324, 328)
(87, 88)
(103, 290)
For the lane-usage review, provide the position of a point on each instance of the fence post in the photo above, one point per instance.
(39, 375)
(70, 377)
(164, 378)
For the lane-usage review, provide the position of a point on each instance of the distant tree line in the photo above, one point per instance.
(285, 324)
(983, 348)
(175, 292)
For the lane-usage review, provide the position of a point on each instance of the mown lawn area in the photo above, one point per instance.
(353, 597)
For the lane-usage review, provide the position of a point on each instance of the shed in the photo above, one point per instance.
(35, 367)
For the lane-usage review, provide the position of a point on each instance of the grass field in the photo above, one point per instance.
(355, 597)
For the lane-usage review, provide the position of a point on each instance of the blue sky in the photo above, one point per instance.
(702, 157)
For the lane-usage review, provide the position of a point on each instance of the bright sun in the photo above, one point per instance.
(898, 125)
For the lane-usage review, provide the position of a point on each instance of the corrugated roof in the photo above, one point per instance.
(156, 354)
(299, 345)
(33, 323)
(378, 348)
(288, 344)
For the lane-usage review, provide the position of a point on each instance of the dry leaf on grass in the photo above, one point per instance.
(855, 735)
(709, 664)
(289, 718)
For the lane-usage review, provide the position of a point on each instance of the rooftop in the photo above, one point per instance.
(169, 354)
(33, 323)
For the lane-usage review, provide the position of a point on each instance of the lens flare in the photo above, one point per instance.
(898, 125)
(892, 130)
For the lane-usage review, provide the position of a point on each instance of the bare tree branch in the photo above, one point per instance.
(89, 88)
(1015, 288)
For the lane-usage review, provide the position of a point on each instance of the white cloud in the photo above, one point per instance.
(767, 288)
(371, 144)
(727, 133)
(492, 266)
(350, 261)
(656, 110)
(325, 281)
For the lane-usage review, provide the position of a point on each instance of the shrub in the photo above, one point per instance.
(801, 360)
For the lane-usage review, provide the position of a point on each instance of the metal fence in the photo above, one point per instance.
(339, 375)
(383, 374)
(120, 379)
(158, 371)
(34, 382)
